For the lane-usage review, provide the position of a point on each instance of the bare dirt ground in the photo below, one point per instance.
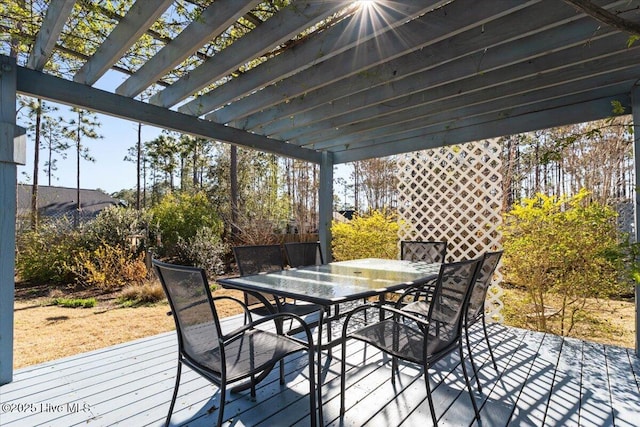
(45, 332)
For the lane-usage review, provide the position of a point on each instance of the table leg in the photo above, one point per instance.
(319, 356)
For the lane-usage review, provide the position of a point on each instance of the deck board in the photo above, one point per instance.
(541, 380)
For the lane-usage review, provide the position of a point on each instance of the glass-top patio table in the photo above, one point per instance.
(329, 285)
(338, 282)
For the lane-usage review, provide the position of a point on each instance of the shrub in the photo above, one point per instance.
(47, 255)
(114, 226)
(180, 217)
(204, 250)
(372, 236)
(560, 246)
(149, 292)
(109, 267)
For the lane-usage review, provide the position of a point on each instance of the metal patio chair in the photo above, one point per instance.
(428, 251)
(422, 251)
(300, 254)
(422, 340)
(257, 259)
(225, 357)
(476, 310)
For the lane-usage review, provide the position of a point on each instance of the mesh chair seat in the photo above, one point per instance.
(253, 351)
(400, 340)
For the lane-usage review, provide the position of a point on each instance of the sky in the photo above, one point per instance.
(110, 172)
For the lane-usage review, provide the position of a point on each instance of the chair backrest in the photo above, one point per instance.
(258, 259)
(449, 301)
(303, 253)
(193, 311)
(423, 251)
(490, 261)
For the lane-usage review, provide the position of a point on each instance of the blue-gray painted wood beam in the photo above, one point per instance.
(57, 13)
(8, 184)
(286, 24)
(139, 18)
(484, 128)
(325, 201)
(354, 61)
(210, 23)
(451, 113)
(404, 96)
(514, 52)
(41, 85)
(635, 110)
(342, 36)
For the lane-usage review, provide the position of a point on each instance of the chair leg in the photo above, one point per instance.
(432, 409)
(394, 369)
(175, 393)
(486, 337)
(466, 380)
(253, 386)
(343, 368)
(223, 397)
(282, 372)
(313, 389)
(473, 364)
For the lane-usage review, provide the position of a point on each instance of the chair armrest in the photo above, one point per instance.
(424, 289)
(384, 307)
(245, 309)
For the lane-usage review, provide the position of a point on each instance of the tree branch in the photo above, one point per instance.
(605, 16)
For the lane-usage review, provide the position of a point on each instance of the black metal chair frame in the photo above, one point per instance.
(217, 343)
(476, 312)
(401, 323)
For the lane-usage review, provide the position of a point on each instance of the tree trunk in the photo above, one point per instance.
(36, 167)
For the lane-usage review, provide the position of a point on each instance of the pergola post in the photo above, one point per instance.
(635, 109)
(325, 197)
(12, 153)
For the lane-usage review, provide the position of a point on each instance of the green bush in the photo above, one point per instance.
(371, 236)
(204, 250)
(180, 217)
(115, 226)
(561, 246)
(47, 255)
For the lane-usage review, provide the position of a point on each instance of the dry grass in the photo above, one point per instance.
(604, 321)
(43, 332)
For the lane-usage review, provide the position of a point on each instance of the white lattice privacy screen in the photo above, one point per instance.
(454, 194)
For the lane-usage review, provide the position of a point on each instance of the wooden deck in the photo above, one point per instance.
(544, 380)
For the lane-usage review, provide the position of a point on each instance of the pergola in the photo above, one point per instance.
(384, 77)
